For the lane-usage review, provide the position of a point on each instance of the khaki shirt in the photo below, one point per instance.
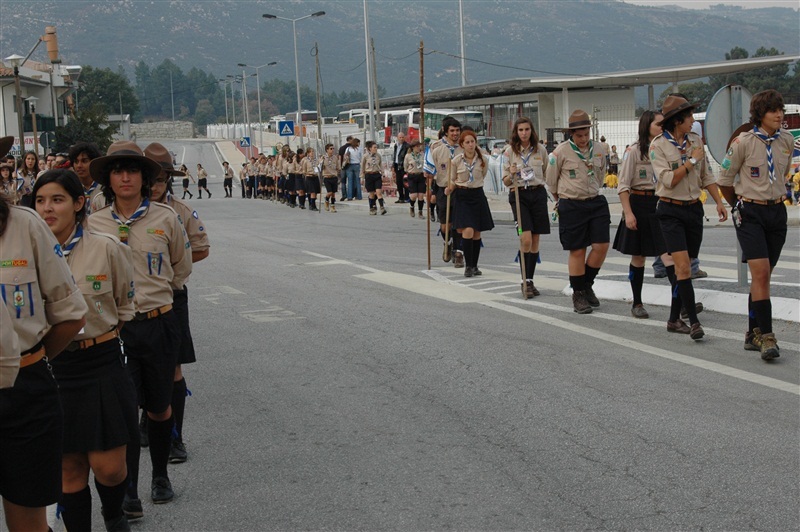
(666, 158)
(91, 195)
(331, 167)
(635, 173)
(531, 164)
(9, 190)
(9, 349)
(308, 167)
(371, 164)
(460, 173)
(202, 174)
(413, 162)
(441, 153)
(35, 282)
(261, 168)
(161, 256)
(102, 267)
(747, 157)
(251, 169)
(568, 175)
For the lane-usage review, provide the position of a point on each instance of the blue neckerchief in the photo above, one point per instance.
(67, 249)
(124, 227)
(768, 141)
(470, 167)
(681, 147)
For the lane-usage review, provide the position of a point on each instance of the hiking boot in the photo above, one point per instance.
(579, 302)
(476, 271)
(532, 290)
(177, 452)
(468, 271)
(383, 210)
(591, 298)
(698, 308)
(638, 311)
(132, 508)
(696, 331)
(458, 261)
(699, 274)
(420, 215)
(373, 211)
(769, 347)
(327, 206)
(524, 288)
(412, 212)
(333, 208)
(447, 252)
(678, 326)
(161, 490)
(752, 340)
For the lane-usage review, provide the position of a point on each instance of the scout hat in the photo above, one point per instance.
(579, 119)
(120, 150)
(747, 126)
(5, 145)
(674, 105)
(163, 157)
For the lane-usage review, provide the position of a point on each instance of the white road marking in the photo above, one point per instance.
(428, 287)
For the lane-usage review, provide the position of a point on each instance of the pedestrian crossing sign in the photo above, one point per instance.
(244, 142)
(286, 128)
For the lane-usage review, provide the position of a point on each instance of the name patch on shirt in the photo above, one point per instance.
(155, 231)
(14, 263)
(755, 172)
(91, 278)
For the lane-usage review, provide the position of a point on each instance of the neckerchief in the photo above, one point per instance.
(768, 141)
(125, 227)
(588, 161)
(681, 147)
(528, 158)
(87, 193)
(470, 167)
(67, 249)
(451, 148)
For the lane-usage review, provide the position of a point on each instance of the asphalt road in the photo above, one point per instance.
(342, 385)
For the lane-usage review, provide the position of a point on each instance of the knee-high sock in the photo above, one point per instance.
(457, 241)
(179, 404)
(302, 200)
(578, 282)
(676, 302)
(636, 277)
(476, 251)
(763, 312)
(686, 290)
(530, 265)
(380, 202)
(752, 322)
(591, 273)
(160, 441)
(111, 498)
(76, 510)
(132, 453)
(469, 254)
(420, 204)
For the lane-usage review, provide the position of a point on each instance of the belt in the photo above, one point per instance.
(89, 342)
(679, 202)
(763, 202)
(642, 192)
(526, 187)
(141, 316)
(578, 199)
(32, 357)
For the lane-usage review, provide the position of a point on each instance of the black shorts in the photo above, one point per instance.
(152, 350)
(270, 181)
(373, 182)
(533, 204)
(262, 181)
(202, 182)
(331, 184)
(681, 226)
(227, 182)
(30, 438)
(473, 210)
(417, 184)
(312, 184)
(441, 205)
(185, 182)
(299, 183)
(180, 304)
(281, 182)
(646, 240)
(583, 223)
(763, 231)
(98, 398)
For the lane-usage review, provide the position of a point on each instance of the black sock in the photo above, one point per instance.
(160, 442)
(420, 204)
(432, 207)
(535, 260)
(578, 282)
(132, 453)
(333, 200)
(476, 251)
(763, 312)
(676, 303)
(111, 498)
(468, 251)
(636, 277)
(530, 265)
(380, 201)
(76, 510)
(752, 322)
(591, 273)
(686, 291)
(444, 235)
(302, 200)
(179, 405)
(458, 241)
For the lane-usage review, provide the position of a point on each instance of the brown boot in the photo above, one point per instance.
(769, 347)
(458, 261)
(579, 302)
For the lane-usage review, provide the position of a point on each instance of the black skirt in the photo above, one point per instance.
(646, 240)
(98, 398)
(473, 210)
(180, 304)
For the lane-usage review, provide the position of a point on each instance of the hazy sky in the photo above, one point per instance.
(702, 4)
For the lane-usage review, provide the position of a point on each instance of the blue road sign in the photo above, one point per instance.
(244, 142)
(286, 129)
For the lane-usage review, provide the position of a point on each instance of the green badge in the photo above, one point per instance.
(572, 174)
(674, 166)
(96, 285)
(726, 163)
(642, 173)
(652, 155)
(552, 159)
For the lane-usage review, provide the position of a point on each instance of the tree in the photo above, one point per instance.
(698, 92)
(773, 77)
(111, 90)
(89, 125)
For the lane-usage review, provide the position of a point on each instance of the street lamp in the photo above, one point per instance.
(16, 61)
(225, 92)
(232, 79)
(258, 95)
(32, 101)
(296, 63)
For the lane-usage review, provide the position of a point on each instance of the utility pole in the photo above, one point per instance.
(319, 101)
(375, 82)
(370, 116)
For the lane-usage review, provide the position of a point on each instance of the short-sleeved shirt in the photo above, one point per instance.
(192, 224)
(371, 164)
(330, 166)
(36, 284)
(636, 173)
(308, 166)
(666, 158)
(413, 162)
(531, 166)
(573, 177)
(747, 157)
(469, 175)
(438, 160)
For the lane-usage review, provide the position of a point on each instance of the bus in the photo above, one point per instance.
(407, 121)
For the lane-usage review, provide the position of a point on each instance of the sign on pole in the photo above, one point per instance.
(244, 142)
(286, 128)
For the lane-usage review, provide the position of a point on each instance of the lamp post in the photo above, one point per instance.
(296, 63)
(232, 79)
(258, 95)
(225, 93)
(16, 61)
(32, 101)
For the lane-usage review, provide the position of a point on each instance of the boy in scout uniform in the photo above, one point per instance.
(413, 165)
(331, 168)
(371, 171)
(161, 261)
(80, 155)
(574, 175)
(762, 158)
(437, 166)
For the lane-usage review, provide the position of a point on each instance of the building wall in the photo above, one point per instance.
(163, 130)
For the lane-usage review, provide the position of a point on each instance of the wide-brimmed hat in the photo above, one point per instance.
(674, 105)
(5, 145)
(120, 150)
(579, 119)
(163, 157)
(747, 126)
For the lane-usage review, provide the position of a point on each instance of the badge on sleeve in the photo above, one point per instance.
(652, 155)
(552, 159)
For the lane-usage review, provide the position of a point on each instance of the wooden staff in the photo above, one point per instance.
(422, 140)
(447, 252)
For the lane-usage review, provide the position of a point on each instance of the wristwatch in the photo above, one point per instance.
(693, 161)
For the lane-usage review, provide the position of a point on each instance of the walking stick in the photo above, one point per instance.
(519, 233)
(428, 219)
(447, 253)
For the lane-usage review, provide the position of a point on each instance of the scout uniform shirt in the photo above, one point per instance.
(330, 166)
(103, 269)
(9, 349)
(35, 282)
(413, 163)
(468, 175)
(635, 173)
(195, 230)
(261, 167)
(308, 167)
(747, 157)
(573, 174)
(531, 165)
(91, 194)
(438, 160)
(666, 158)
(160, 247)
(371, 164)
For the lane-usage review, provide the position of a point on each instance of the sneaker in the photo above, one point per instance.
(177, 452)
(132, 508)
(116, 524)
(696, 331)
(591, 298)
(698, 308)
(769, 347)
(383, 211)
(333, 208)
(699, 274)
(458, 261)
(314, 209)
(412, 212)
(752, 340)
(342, 198)
(678, 326)
(373, 212)
(579, 302)
(419, 215)
(161, 490)
(476, 271)
(144, 439)
(638, 311)
(468, 271)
